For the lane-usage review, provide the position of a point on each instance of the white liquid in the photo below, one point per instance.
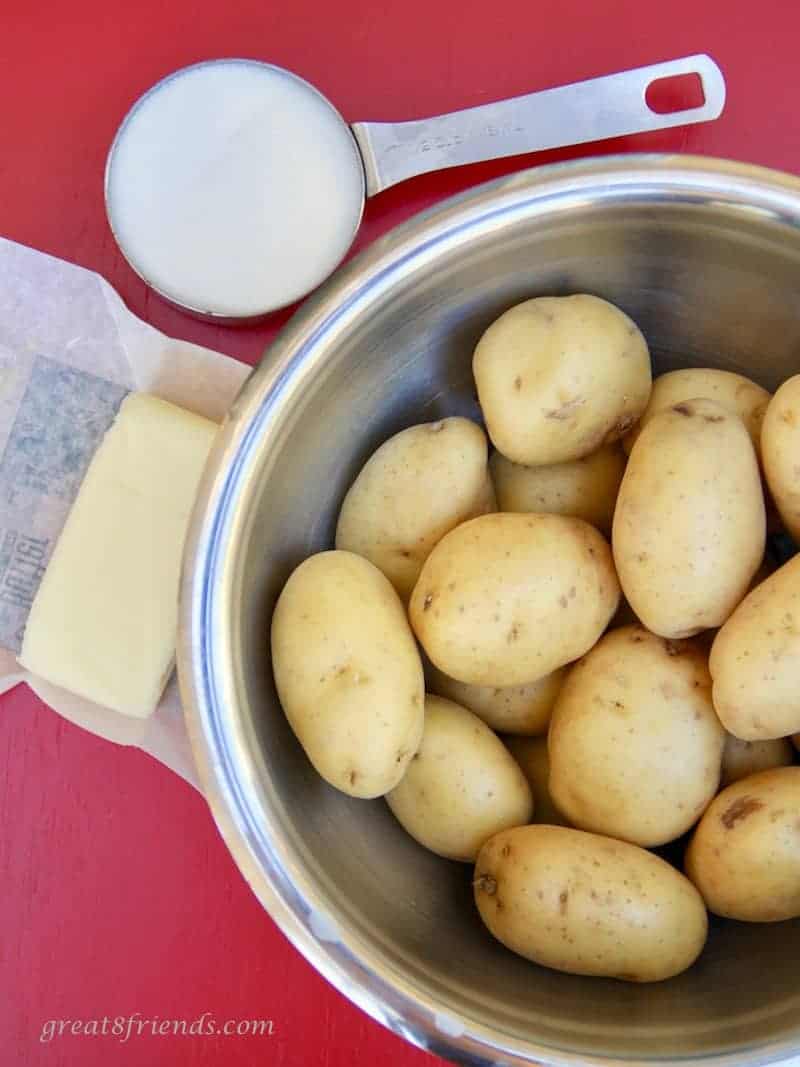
(234, 188)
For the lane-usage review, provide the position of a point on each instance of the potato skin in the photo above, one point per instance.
(740, 759)
(461, 787)
(754, 660)
(348, 673)
(635, 745)
(559, 376)
(504, 599)
(737, 394)
(531, 755)
(689, 528)
(588, 904)
(584, 488)
(418, 485)
(516, 709)
(744, 856)
(780, 444)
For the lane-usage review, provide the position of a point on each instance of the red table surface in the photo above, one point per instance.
(117, 895)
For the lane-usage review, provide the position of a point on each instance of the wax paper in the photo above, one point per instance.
(69, 352)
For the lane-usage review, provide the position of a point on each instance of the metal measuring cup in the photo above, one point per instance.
(369, 157)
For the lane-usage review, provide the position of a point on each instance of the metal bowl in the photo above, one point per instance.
(705, 256)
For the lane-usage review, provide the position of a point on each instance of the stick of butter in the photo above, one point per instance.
(104, 621)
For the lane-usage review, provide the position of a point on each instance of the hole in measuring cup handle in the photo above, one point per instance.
(678, 92)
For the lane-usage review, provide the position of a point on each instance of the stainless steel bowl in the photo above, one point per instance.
(705, 256)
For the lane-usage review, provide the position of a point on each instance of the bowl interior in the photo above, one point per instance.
(712, 282)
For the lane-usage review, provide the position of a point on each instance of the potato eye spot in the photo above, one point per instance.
(740, 809)
(620, 427)
(484, 883)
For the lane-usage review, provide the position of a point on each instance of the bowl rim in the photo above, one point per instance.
(204, 657)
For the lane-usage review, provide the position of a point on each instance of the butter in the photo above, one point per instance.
(104, 621)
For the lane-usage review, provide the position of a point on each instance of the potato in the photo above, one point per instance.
(689, 528)
(743, 758)
(559, 376)
(635, 745)
(737, 394)
(462, 785)
(348, 673)
(418, 485)
(744, 856)
(585, 488)
(588, 904)
(516, 709)
(754, 660)
(531, 755)
(780, 442)
(503, 600)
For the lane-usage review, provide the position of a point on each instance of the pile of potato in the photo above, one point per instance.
(620, 718)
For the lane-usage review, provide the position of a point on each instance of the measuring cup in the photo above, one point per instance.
(234, 187)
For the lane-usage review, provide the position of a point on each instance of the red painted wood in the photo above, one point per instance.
(116, 893)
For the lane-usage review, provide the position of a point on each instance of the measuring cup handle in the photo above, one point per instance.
(593, 110)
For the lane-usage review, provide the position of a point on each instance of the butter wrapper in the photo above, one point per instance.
(69, 353)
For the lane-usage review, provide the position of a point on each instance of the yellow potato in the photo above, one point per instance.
(588, 904)
(531, 754)
(559, 376)
(348, 673)
(462, 785)
(689, 529)
(635, 746)
(737, 394)
(743, 758)
(516, 709)
(585, 488)
(780, 444)
(503, 600)
(754, 660)
(418, 485)
(744, 856)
